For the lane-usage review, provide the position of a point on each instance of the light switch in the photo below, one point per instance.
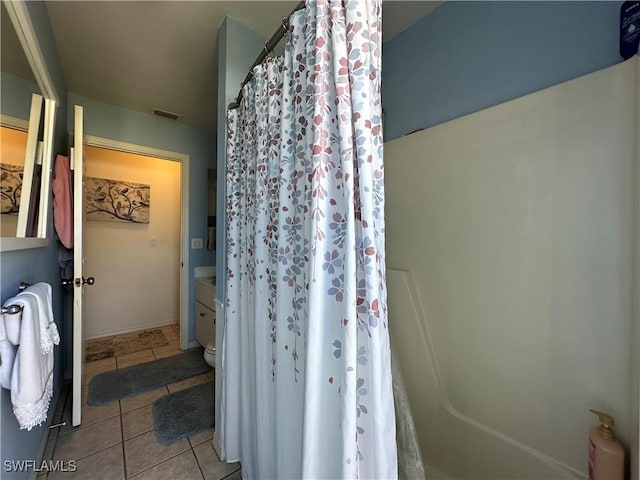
(196, 243)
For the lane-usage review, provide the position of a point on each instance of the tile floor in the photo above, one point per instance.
(132, 342)
(117, 440)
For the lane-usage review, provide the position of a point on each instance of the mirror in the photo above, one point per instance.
(28, 108)
(21, 167)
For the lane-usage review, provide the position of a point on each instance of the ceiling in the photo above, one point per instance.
(163, 54)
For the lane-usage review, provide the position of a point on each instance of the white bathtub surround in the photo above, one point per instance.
(511, 282)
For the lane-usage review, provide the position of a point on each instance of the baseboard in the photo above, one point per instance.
(146, 326)
(193, 344)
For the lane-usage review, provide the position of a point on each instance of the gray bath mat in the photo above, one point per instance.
(184, 413)
(127, 382)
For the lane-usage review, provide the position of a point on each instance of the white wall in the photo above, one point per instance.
(137, 285)
(511, 277)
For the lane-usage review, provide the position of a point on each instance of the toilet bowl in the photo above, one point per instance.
(210, 354)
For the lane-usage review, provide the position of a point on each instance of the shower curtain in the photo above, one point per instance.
(306, 389)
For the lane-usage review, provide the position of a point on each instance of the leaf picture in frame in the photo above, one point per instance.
(116, 201)
(10, 187)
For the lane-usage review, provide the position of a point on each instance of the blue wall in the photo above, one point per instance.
(238, 47)
(121, 124)
(466, 56)
(34, 265)
(15, 95)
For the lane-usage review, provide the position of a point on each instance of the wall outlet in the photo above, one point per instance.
(153, 241)
(196, 243)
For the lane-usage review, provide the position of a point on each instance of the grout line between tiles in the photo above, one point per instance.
(232, 473)
(197, 461)
(195, 457)
(193, 452)
(96, 452)
(136, 435)
(159, 463)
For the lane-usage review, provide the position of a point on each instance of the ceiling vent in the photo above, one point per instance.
(165, 114)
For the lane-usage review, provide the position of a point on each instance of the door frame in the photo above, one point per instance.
(183, 159)
(635, 346)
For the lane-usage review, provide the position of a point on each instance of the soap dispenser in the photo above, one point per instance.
(606, 455)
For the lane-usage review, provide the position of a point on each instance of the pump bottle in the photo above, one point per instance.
(606, 455)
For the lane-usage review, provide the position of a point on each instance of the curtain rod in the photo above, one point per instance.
(269, 45)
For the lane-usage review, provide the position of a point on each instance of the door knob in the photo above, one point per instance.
(88, 281)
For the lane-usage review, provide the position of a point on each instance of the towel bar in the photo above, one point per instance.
(13, 309)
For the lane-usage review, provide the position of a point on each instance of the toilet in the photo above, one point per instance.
(210, 354)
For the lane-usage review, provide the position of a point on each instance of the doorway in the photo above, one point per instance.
(148, 285)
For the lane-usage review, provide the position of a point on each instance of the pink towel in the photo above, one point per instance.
(62, 202)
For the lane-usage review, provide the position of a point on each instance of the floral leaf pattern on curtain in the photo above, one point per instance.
(306, 328)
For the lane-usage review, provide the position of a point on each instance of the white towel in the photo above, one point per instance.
(7, 355)
(32, 377)
(48, 330)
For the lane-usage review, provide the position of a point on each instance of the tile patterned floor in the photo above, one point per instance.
(117, 440)
(108, 347)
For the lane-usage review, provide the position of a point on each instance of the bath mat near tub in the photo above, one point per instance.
(126, 382)
(179, 415)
